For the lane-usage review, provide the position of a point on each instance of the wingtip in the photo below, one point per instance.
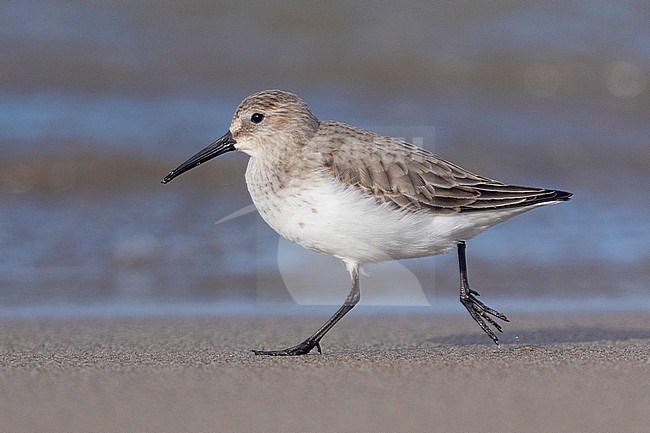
(563, 195)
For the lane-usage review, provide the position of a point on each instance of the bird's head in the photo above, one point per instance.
(272, 122)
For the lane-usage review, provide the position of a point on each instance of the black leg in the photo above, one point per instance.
(477, 309)
(314, 341)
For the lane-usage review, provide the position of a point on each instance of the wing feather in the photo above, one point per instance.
(406, 176)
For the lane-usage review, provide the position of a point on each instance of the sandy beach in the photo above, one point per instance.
(380, 372)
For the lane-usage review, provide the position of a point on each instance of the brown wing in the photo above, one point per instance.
(410, 177)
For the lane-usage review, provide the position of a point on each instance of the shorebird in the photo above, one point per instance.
(362, 197)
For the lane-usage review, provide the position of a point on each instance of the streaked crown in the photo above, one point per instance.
(272, 118)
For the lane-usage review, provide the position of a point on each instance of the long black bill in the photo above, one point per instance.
(219, 147)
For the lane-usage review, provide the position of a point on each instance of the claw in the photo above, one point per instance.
(480, 313)
(300, 349)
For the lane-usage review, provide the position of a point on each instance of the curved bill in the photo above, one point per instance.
(219, 147)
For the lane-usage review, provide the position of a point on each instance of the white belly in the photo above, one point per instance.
(325, 216)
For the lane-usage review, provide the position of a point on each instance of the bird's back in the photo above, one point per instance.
(409, 177)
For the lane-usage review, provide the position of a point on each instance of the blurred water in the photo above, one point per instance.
(99, 101)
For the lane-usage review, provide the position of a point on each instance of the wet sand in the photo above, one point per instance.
(379, 372)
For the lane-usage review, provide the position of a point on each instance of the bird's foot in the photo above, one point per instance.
(300, 349)
(481, 313)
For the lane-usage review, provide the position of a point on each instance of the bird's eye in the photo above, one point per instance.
(257, 117)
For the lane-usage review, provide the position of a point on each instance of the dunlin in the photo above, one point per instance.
(362, 197)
